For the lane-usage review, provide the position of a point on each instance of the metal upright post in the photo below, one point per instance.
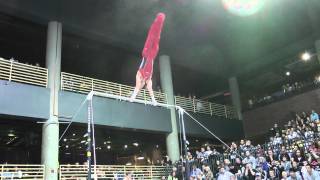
(185, 142)
(89, 147)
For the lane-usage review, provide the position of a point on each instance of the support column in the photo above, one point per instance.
(312, 10)
(235, 96)
(166, 83)
(50, 130)
(317, 47)
(314, 23)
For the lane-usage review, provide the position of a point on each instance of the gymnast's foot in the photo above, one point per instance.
(154, 102)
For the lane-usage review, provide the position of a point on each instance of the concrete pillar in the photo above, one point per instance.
(50, 130)
(172, 140)
(317, 47)
(313, 13)
(235, 96)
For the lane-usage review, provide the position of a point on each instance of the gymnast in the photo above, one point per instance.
(149, 53)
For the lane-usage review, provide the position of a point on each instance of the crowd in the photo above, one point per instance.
(292, 152)
(286, 91)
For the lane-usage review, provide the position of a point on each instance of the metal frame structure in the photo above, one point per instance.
(89, 99)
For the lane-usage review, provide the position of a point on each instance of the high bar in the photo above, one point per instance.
(122, 98)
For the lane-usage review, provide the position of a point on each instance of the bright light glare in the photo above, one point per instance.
(288, 73)
(306, 56)
(243, 7)
(11, 135)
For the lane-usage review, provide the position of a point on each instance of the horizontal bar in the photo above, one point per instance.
(63, 122)
(122, 98)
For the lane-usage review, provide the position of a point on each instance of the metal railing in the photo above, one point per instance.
(205, 107)
(23, 73)
(28, 74)
(113, 171)
(20, 171)
(82, 84)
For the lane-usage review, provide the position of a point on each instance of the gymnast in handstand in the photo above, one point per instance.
(149, 53)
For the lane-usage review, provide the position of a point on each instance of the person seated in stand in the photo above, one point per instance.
(224, 174)
(310, 173)
(314, 116)
(208, 152)
(294, 175)
(249, 159)
(196, 173)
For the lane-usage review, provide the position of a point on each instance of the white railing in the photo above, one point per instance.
(21, 171)
(28, 74)
(82, 84)
(23, 73)
(113, 172)
(205, 107)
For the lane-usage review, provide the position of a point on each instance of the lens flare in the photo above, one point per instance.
(243, 7)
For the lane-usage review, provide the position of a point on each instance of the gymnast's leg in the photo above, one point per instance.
(140, 82)
(150, 90)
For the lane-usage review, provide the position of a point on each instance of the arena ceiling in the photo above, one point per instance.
(206, 43)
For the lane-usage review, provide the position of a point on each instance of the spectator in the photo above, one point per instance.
(298, 157)
(294, 175)
(291, 153)
(314, 116)
(215, 152)
(196, 173)
(261, 174)
(241, 146)
(284, 175)
(285, 164)
(249, 173)
(201, 154)
(208, 152)
(310, 173)
(236, 167)
(274, 130)
(271, 157)
(189, 157)
(208, 175)
(283, 153)
(173, 176)
(262, 163)
(128, 176)
(224, 174)
(272, 175)
(249, 159)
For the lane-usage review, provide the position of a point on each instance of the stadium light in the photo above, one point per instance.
(306, 56)
(288, 73)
